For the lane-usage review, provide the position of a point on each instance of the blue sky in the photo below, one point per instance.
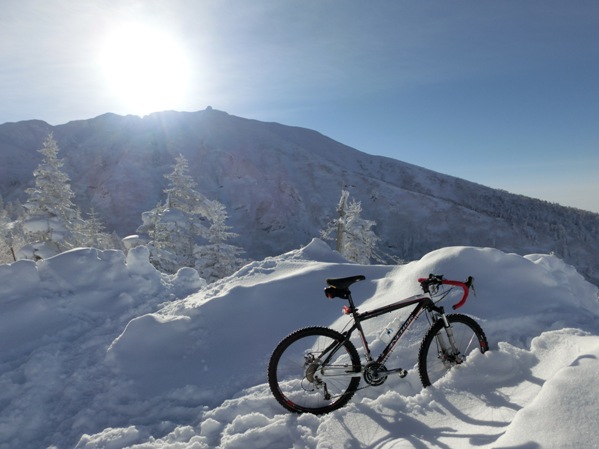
(504, 93)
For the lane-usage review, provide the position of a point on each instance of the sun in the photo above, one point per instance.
(145, 68)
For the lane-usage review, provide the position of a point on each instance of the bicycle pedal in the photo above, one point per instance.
(403, 373)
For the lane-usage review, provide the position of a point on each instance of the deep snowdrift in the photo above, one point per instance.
(99, 350)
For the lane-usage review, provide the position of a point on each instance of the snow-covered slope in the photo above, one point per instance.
(100, 350)
(281, 185)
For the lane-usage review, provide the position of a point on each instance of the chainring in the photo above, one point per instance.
(374, 374)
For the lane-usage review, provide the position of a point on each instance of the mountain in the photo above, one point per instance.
(281, 184)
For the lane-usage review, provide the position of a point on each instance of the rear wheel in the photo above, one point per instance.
(436, 357)
(314, 370)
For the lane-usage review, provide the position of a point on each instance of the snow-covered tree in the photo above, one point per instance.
(354, 236)
(11, 231)
(51, 222)
(50, 213)
(174, 226)
(172, 235)
(189, 230)
(90, 232)
(52, 193)
(181, 191)
(217, 258)
(4, 234)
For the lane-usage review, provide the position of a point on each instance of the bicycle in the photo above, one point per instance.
(318, 369)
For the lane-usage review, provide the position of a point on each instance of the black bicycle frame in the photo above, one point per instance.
(423, 303)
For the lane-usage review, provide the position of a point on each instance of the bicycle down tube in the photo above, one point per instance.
(423, 302)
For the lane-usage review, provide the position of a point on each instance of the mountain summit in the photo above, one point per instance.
(281, 185)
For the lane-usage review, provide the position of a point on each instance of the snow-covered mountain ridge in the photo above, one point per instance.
(281, 184)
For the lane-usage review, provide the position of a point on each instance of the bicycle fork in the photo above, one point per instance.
(446, 343)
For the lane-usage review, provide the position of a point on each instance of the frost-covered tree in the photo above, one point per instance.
(188, 229)
(217, 258)
(181, 191)
(172, 235)
(52, 194)
(51, 222)
(354, 237)
(5, 244)
(11, 231)
(174, 226)
(90, 232)
(50, 212)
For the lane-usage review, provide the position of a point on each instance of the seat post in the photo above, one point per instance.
(352, 307)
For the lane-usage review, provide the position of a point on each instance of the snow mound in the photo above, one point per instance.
(57, 318)
(102, 351)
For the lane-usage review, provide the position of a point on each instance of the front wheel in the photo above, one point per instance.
(436, 356)
(314, 370)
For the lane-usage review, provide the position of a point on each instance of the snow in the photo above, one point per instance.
(100, 350)
(281, 184)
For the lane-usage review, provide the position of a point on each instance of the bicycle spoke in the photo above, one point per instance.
(436, 355)
(312, 372)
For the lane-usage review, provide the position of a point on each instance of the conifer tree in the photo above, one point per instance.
(51, 220)
(52, 193)
(90, 232)
(175, 225)
(217, 258)
(188, 230)
(181, 191)
(354, 237)
(11, 231)
(4, 234)
(50, 213)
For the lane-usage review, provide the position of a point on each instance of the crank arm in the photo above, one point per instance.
(402, 372)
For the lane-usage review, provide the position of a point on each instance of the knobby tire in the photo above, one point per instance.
(432, 362)
(294, 381)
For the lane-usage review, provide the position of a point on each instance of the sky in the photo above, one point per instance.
(502, 93)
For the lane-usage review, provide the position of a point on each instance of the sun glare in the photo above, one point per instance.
(147, 69)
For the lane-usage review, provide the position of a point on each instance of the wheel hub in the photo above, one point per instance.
(312, 365)
(310, 370)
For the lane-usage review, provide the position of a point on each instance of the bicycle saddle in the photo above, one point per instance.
(344, 283)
